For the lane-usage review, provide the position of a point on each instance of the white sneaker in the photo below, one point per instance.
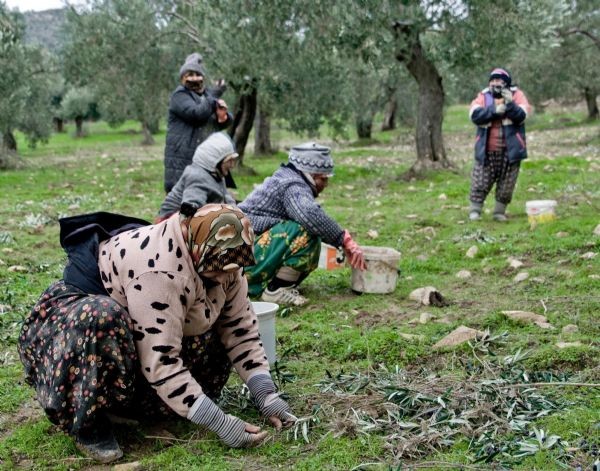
(500, 217)
(284, 295)
(474, 215)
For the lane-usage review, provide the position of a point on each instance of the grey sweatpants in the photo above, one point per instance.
(498, 170)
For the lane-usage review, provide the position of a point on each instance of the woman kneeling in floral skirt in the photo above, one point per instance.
(149, 319)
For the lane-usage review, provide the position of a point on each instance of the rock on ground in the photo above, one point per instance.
(529, 318)
(459, 335)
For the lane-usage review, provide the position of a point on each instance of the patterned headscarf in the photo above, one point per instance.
(219, 237)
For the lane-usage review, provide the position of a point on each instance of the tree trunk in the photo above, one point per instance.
(8, 151)
(364, 125)
(431, 153)
(389, 115)
(262, 142)
(9, 142)
(243, 119)
(154, 126)
(148, 140)
(59, 125)
(592, 105)
(78, 126)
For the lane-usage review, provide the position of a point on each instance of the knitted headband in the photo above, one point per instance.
(311, 157)
(502, 75)
(193, 63)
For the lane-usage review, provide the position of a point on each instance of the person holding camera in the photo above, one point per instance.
(499, 112)
(195, 112)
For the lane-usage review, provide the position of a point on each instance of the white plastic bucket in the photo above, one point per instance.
(540, 211)
(381, 274)
(328, 258)
(265, 312)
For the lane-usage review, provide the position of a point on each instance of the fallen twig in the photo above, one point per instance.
(535, 385)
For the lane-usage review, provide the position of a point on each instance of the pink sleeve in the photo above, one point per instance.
(520, 99)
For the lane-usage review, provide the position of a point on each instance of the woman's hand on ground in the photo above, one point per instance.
(256, 437)
(278, 423)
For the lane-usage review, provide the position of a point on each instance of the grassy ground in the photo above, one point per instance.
(370, 396)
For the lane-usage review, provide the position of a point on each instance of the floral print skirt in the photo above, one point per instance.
(79, 355)
(285, 244)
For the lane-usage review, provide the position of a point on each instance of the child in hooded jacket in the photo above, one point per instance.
(203, 181)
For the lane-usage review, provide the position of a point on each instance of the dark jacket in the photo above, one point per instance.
(191, 120)
(80, 236)
(483, 112)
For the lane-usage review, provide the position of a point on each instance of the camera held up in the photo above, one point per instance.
(497, 91)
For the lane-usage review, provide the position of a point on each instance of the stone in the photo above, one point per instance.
(529, 318)
(459, 335)
(427, 296)
(570, 329)
(562, 234)
(425, 317)
(569, 344)
(443, 197)
(589, 255)
(463, 274)
(132, 466)
(521, 276)
(17, 268)
(419, 338)
(597, 230)
(372, 234)
(514, 263)
(472, 251)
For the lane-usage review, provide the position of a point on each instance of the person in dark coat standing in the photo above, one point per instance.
(194, 114)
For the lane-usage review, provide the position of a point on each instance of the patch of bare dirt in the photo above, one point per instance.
(393, 315)
(29, 411)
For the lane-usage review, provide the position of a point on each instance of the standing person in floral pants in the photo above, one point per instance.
(499, 111)
(291, 224)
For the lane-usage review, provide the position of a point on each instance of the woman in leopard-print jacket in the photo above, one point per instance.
(149, 319)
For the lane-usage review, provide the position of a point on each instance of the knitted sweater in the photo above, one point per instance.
(150, 272)
(288, 196)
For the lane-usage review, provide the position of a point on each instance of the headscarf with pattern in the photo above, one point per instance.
(219, 237)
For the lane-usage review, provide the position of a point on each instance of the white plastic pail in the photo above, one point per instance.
(381, 274)
(540, 211)
(266, 327)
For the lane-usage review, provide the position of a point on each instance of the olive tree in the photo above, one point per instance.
(24, 87)
(121, 49)
(77, 105)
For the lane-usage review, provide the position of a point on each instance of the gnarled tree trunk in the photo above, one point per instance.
(364, 125)
(59, 125)
(592, 105)
(79, 126)
(431, 153)
(262, 141)
(148, 140)
(389, 114)
(243, 119)
(9, 143)
(8, 151)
